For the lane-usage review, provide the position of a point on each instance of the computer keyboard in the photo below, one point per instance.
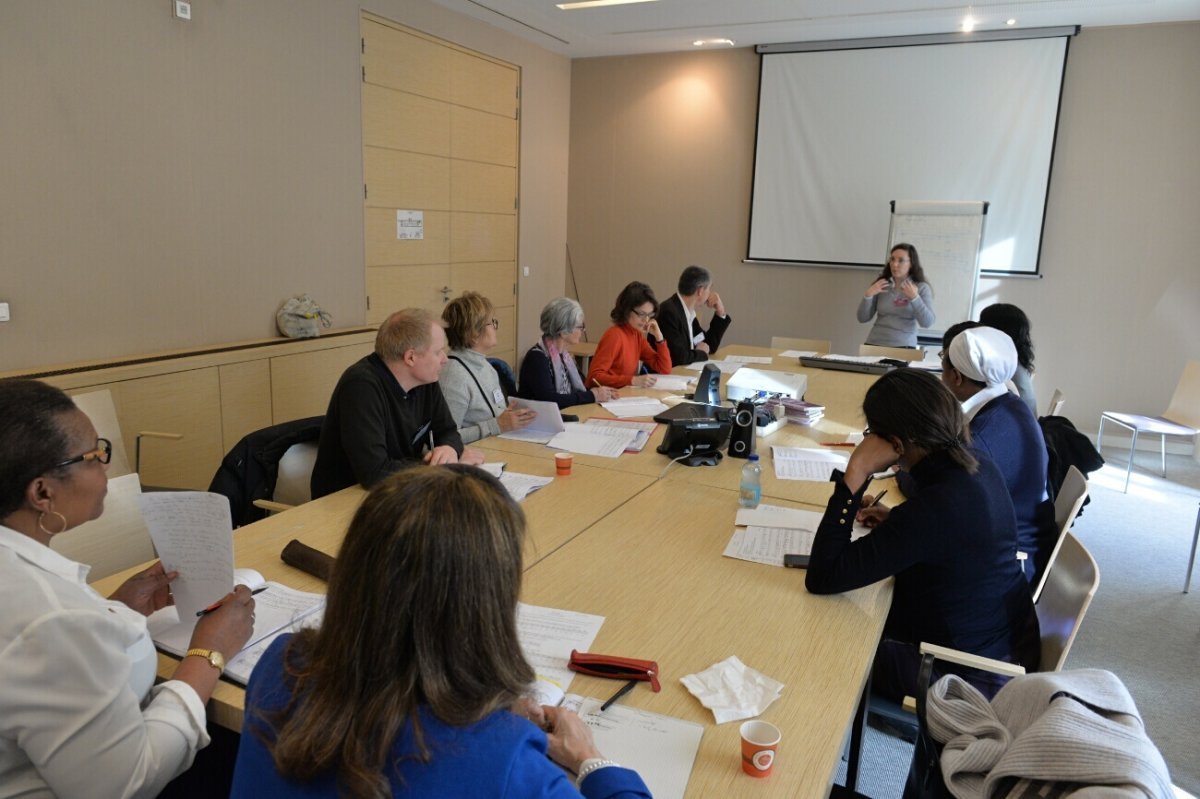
(841, 365)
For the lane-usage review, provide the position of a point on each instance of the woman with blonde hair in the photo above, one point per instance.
(409, 685)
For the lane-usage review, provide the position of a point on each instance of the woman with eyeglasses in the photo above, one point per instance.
(548, 372)
(624, 346)
(899, 299)
(952, 546)
(415, 682)
(80, 714)
(469, 381)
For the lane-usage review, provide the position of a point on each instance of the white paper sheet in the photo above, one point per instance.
(644, 430)
(796, 354)
(661, 749)
(548, 635)
(240, 668)
(629, 407)
(726, 366)
(748, 358)
(775, 516)
(544, 426)
(855, 358)
(520, 485)
(673, 382)
(494, 469)
(768, 544)
(802, 463)
(607, 444)
(193, 535)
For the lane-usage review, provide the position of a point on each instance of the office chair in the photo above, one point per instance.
(1181, 418)
(1057, 400)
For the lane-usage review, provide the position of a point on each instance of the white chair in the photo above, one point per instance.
(117, 540)
(292, 485)
(99, 407)
(1070, 499)
(899, 353)
(1181, 418)
(1057, 400)
(817, 345)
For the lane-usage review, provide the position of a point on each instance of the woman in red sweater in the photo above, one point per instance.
(615, 363)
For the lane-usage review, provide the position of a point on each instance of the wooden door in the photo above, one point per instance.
(440, 142)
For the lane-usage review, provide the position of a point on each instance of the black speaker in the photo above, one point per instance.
(741, 438)
(708, 385)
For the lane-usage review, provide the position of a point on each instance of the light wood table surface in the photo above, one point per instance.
(653, 568)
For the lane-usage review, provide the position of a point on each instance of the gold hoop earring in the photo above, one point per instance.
(42, 527)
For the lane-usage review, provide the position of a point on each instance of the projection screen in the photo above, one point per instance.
(841, 133)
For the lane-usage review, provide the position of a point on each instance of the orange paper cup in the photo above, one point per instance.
(759, 742)
(562, 463)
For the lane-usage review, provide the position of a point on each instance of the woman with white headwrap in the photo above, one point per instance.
(977, 362)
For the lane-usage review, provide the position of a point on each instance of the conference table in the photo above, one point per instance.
(620, 539)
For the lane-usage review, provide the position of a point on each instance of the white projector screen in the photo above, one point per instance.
(842, 133)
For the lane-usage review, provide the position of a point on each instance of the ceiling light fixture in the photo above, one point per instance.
(1011, 22)
(702, 42)
(597, 3)
(968, 24)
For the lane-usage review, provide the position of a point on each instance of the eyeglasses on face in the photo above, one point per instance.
(102, 453)
(644, 316)
(495, 323)
(581, 327)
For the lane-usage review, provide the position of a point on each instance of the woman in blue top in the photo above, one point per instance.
(899, 299)
(414, 683)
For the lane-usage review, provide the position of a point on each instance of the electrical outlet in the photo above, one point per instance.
(183, 9)
(525, 271)
(4, 312)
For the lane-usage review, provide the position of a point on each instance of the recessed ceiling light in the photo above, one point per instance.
(702, 42)
(1011, 22)
(596, 3)
(968, 24)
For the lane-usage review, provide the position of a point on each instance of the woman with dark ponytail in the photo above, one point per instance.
(952, 547)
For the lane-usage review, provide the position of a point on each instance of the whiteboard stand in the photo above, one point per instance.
(948, 236)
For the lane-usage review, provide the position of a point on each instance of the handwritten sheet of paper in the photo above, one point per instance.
(661, 749)
(748, 359)
(802, 463)
(726, 367)
(548, 635)
(584, 442)
(520, 485)
(494, 469)
(193, 534)
(796, 354)
(673, 382)
(644, 430)
(243, 664)
(769, 544)
(775, 516)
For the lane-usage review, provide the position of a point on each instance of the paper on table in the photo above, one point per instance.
(775, 516)
(732, 690)
(543, 427)
(726, 366)
(854, 438)
(802, 463)
(748, 359)
(494, 469)
(243, 664)
(797, 354)
(192, 532)
(520, 485)
(644, 430)
(585, 442)
(274, 609)
(661, 749)
(548, 635)
(672, 382)
(855, 358)
(769, 544)
(627, 407)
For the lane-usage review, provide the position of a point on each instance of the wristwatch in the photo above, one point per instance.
(214, 658)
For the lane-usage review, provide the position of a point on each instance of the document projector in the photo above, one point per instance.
(752, 384)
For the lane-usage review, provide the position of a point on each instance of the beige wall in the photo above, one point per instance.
(167, 184)
(662, 151)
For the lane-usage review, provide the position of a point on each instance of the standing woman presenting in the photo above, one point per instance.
(899, 299)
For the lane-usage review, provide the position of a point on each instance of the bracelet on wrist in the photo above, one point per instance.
(590, 765)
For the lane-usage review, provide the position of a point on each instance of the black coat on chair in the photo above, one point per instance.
(251, 468)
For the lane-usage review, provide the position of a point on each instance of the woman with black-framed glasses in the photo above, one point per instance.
(625, 346)
(79, 712)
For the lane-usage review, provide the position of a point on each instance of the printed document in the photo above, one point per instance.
(673, 382)
(797, 354)
(748, 358)
(802, 463)
(543, 427)
(520, 485)
(644, 430)
(605, 442)
(627, 407)
(548, 635)
(769, 544)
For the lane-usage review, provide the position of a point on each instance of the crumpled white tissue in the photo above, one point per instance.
(732, 690)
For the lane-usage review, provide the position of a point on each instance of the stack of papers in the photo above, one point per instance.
(673, 382)
(545, 425)
(802, 463)
(797, 353)
(605, 441)
(801, 412)
(727, 366)
(644, 430)
(768, 532)
(854, 358)
(628, 407)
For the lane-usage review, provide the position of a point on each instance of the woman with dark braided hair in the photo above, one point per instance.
(952, 547)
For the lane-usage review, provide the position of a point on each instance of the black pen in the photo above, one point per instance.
(882, 494)
(626, 689)
(216, 605)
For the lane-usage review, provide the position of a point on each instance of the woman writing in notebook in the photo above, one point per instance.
(548, 372)
(624, 345)
(80, 714)
(899, 300)
(413, 685)
(952, 546)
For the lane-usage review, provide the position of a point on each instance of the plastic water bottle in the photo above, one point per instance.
(750, 489)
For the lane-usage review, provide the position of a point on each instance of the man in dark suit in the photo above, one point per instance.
(688, 341)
